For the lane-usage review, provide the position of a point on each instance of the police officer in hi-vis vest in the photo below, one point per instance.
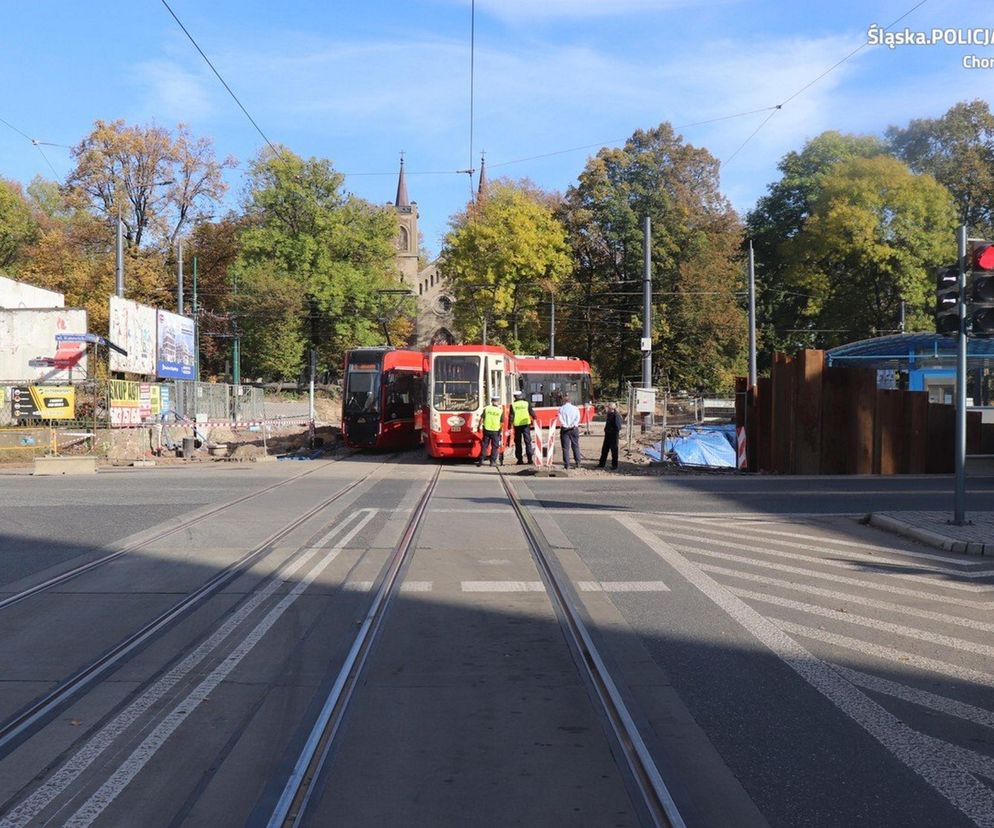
(490, 425)
(522, 417)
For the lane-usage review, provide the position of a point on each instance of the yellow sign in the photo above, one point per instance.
(43, 402)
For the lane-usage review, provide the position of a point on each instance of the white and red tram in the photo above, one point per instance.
(546, 380)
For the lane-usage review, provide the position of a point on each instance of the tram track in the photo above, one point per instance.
(19, 726)
(630, 750)
(103, 560)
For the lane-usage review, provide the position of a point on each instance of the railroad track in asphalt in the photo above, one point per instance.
(633, 757)
(180, 526)
(16, 728)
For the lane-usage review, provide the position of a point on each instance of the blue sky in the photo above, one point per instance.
(359, 82)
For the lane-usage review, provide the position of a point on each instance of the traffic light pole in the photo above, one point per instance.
(959, 503)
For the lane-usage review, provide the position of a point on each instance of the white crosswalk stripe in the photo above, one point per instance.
(502, 586)
(622, 586)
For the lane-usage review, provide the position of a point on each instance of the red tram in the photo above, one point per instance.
(383, 398)
(461, 380)
(546, 380)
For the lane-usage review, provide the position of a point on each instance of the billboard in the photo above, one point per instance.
(37, 402)
(175, 352)
(132, 327)
(29, 352)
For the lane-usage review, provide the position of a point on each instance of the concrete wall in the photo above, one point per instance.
(22, 295)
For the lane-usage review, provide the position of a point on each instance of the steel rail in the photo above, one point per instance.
(75, 572)
(640, 764)
(296, 795)
(14, 729)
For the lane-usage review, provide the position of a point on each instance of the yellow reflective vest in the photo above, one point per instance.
(521, 415)
(492, 415)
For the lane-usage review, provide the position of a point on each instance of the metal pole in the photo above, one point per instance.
(646, 313)
(119, 259)
(196, 327)
(901, 318)
(552, 326)
(310, 393)
(179, 278)
(752, 318)
(959, 512)
(484, 329)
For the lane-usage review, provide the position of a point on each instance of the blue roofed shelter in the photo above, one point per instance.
(922, 362)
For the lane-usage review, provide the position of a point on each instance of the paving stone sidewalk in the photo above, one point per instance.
(934, 529)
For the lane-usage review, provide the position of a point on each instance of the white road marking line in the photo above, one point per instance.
(622, 586)
(884, 653)
(916, 751)
(495, 562)
(416, 586)
(922, 698)
(955, 568)
(357, 586)
(502, 586)
(864, 621)
(335, 529)
(831, 576)
(924, 577)
(967, 759)
(29, 808)
(918, 612)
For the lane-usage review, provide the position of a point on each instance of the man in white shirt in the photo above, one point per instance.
(569, 431)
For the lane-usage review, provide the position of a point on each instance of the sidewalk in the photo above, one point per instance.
(934, 529)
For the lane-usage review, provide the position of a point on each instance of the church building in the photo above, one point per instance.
(433, 324)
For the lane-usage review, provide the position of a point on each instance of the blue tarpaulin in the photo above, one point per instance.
(712, 446)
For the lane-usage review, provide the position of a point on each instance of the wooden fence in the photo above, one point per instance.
(807, 418)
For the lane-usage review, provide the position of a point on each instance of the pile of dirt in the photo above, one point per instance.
(248, 451)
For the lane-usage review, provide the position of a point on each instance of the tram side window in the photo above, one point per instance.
(399, 396)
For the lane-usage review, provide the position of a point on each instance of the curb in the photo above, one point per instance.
(928, 537)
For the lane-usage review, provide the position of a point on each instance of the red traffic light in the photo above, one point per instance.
(983, 257)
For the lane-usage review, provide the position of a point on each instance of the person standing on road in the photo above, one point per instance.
(612, 428)
(522, 417)
(490, 425)
(569, 431)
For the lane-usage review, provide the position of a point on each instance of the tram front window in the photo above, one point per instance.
(363, 392)
(456, 384)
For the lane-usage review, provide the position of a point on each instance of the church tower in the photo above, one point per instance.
(407, 232)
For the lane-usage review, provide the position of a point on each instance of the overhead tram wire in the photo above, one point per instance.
(224, 83)
(36, 144)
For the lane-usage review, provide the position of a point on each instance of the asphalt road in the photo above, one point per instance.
(785, 664)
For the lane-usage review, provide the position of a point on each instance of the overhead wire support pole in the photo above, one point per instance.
(646, 313)
(959, 499)
(752, 318)
(179, 278)
(119, 258)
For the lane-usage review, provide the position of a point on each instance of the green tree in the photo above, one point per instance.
(958, 151)
(502, 255)
(875, 235)
(312, 262)
(777, 219)
(18, 225)
(698, 326)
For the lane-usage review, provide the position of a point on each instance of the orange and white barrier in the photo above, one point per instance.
(740, 435)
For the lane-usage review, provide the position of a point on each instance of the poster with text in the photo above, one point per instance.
(132, 327)
(175, 357)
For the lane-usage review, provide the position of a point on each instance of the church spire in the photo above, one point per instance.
(402, 199)
(481, 190)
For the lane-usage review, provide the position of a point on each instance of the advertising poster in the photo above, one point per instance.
(175, 358)
(132, 327)
(34, 402)
(125, 402)
(29, 352)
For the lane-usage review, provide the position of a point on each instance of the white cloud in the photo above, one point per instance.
(172, 93)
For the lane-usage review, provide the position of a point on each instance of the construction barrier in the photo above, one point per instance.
(27, 442)
(740, 435)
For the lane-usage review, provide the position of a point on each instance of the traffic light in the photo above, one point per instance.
(947, 300)
(980, 296)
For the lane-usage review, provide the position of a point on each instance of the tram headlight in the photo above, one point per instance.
(436, 421)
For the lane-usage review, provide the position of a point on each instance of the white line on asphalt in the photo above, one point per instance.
(622, 586)
(336, 529)
(751, 529)
(972, 603)
(913, 749)
(416, 586)
(967, 759)
(925, 575)
(902, 657)
(864, 621)
(917, 612)
(502, 586)
(27, 810)
(922, 698)
(495, 561)
(357, 586)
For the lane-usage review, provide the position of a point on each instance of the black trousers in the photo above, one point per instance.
(493, 439)
(610, 444)
(570, 439)
(523, 433)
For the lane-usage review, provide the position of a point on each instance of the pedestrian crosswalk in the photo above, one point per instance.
(896, 636)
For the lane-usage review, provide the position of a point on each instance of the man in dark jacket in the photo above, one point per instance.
(612, 428)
